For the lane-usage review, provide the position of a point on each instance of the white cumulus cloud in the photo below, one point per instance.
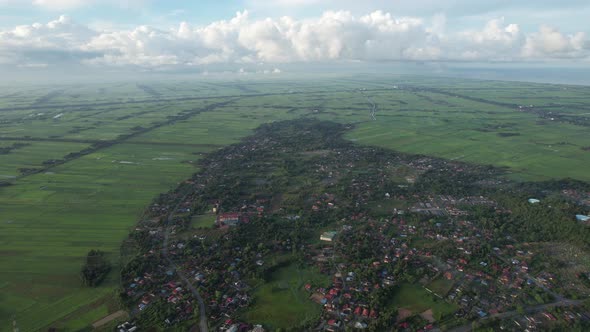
(549, 41)
(334, 36)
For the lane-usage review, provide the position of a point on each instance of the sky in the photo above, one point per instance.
(176, 35)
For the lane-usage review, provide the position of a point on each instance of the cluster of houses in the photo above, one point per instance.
(542, 320)
(580, 197)
(240, 216)
(447, 248)
(479, 284)
(324, 201)
(160, 285)
(127, 327)
(343, 301)
(441, 205)
(230, 325)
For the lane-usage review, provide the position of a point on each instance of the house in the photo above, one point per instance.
(328, 236)
(228, 219)
(365, 313)
(334, 323)
(233, 328)
(404, 325)
(127, 327)
(257, 328)
(360, 325)
(373, 314)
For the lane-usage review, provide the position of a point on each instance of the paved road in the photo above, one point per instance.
(560, 301)
(528, 310)
(558, 297)
(203, 326)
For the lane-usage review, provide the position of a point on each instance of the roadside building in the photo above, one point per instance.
(228, 219)
(328, 236)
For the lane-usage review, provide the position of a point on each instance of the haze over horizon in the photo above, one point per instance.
(294, 165)
(75, 37)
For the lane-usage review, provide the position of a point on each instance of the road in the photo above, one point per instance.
(560, 301)
(203, 326)
(558, 297)
(514, 313)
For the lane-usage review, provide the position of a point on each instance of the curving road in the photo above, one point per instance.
(203, 326)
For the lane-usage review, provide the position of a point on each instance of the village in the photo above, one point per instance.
(376, 225)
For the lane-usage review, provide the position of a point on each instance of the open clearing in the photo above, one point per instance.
(417, 300)
(101, 153)
(283, 302)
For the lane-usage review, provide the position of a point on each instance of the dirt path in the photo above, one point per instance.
(109, 319)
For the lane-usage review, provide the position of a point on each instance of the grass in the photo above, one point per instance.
(203, 221)
(416, 299)
(33, 155)
(465, 130)
(49, 221)
(283, 302)
(385, 207)
(441, 286)
(81, 321)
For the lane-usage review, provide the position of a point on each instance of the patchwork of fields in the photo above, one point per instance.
(88, 159)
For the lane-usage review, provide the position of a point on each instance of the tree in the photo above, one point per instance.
(96, 268)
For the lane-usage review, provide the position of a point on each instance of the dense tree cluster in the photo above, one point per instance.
(15, 146)
(95, 269)
(295, 178)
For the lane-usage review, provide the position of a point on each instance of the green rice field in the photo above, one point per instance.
(92, 157)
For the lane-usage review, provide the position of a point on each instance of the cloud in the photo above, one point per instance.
(550, 42)
(334, 36)
(57, 42)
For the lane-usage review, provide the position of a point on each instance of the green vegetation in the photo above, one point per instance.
(86, 162)
(83, 320)
(416, 299)
(203, 221)
(96, 268)
(441, 286)
(282, 301)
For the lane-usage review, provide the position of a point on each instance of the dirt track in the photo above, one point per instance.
(109, 319)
